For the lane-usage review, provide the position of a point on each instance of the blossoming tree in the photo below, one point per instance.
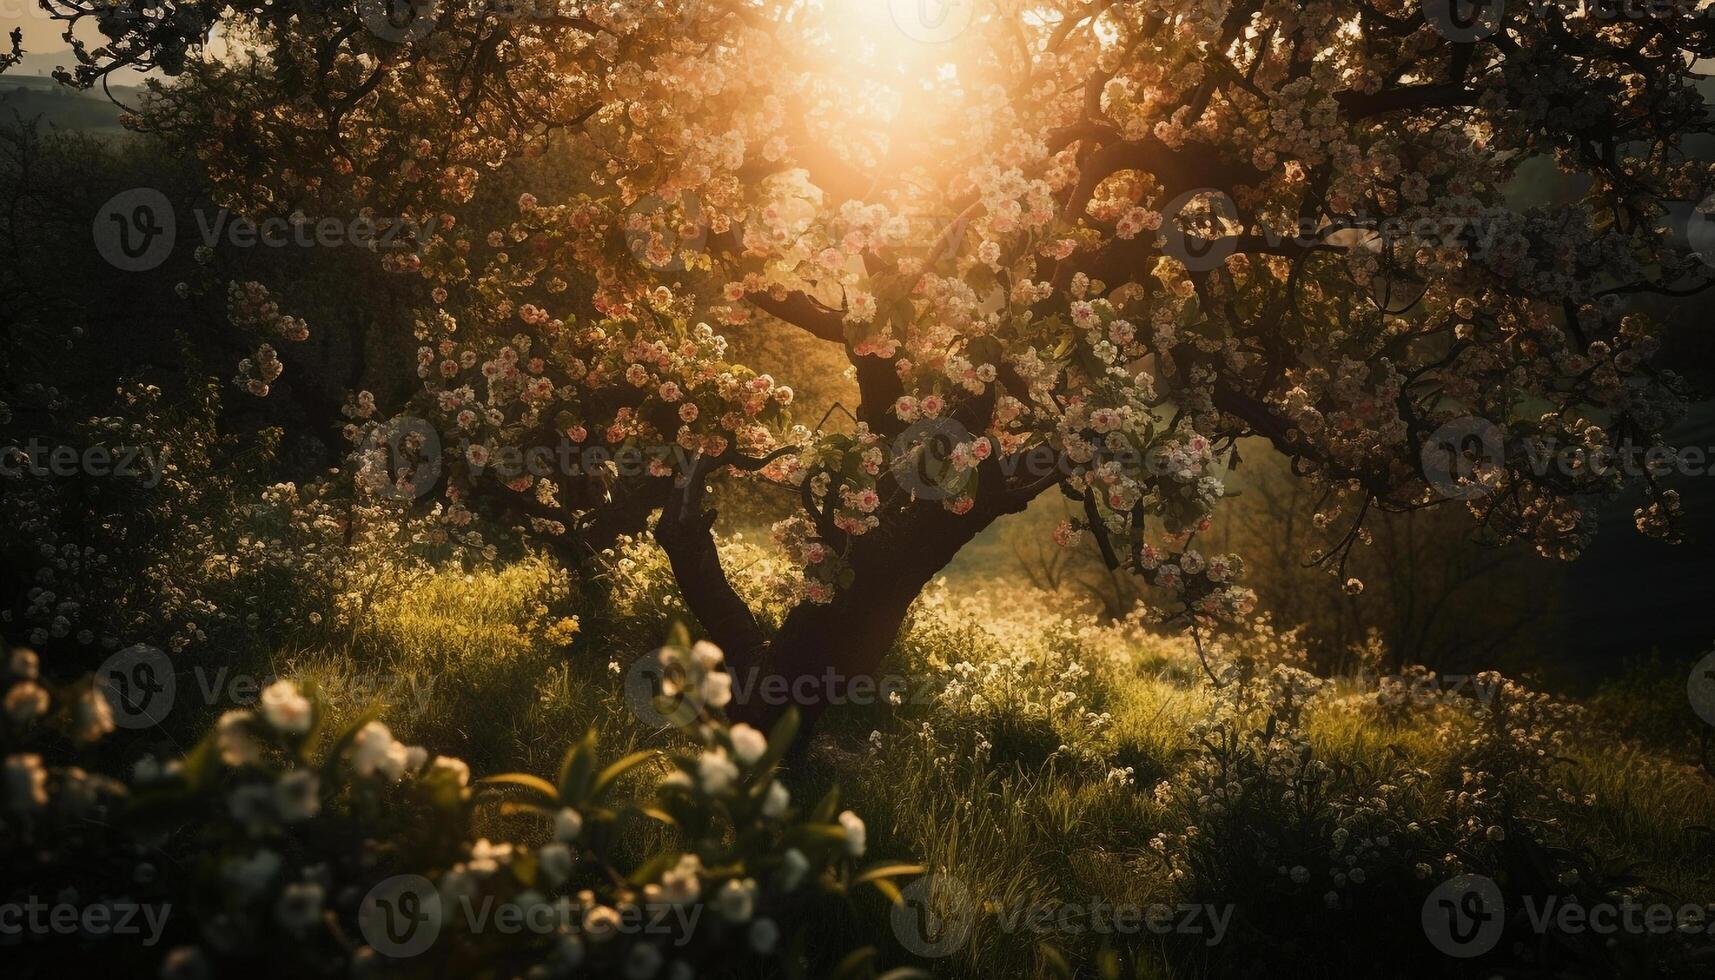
(1081, 246)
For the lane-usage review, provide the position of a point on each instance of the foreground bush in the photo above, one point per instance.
(279, 846)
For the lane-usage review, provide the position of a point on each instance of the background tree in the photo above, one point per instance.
(1079, 246)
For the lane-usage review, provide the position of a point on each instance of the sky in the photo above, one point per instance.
(44, 47)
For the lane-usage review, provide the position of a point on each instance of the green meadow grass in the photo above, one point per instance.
(472, 672)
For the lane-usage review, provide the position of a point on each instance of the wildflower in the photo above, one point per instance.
(775, 800)
(233, 739)
(601, 923)
(299, 906)
(252, 806)
(737, 900)
(376, 751)
(855, 832)
(185, 963)
(568, 824)
(249, 875)
(297, 795)
(793, 867)
(26, 702)
(26, 782)
(486, 858)
(747, 743)
(763, 935)
(456, 769)
(680, 885)
(716, 772)
(696, 678)
(92, 716)
(642, 962)
(285, 709)
(24, 665)
(555, 862)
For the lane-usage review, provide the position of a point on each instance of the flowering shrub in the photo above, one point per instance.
(198, 549)
(1263, 808)
(1026, 685)
(277, 844)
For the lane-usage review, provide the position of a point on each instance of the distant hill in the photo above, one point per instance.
(37, 96)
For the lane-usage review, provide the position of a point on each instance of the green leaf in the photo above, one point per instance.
(889, 889)
(576, 768)
(825, 810)
(1056, 961)
(779, 740)
(823, 833)
(679, 636)
(524, 780)
(1108, 963)
(890, 870)
(653, 868)
(605, 780)
(200, 764)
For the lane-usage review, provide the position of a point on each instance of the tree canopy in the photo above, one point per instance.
(1083, 247)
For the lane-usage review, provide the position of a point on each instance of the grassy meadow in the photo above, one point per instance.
(1044, 762)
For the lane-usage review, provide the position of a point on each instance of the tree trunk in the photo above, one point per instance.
(826, 655)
